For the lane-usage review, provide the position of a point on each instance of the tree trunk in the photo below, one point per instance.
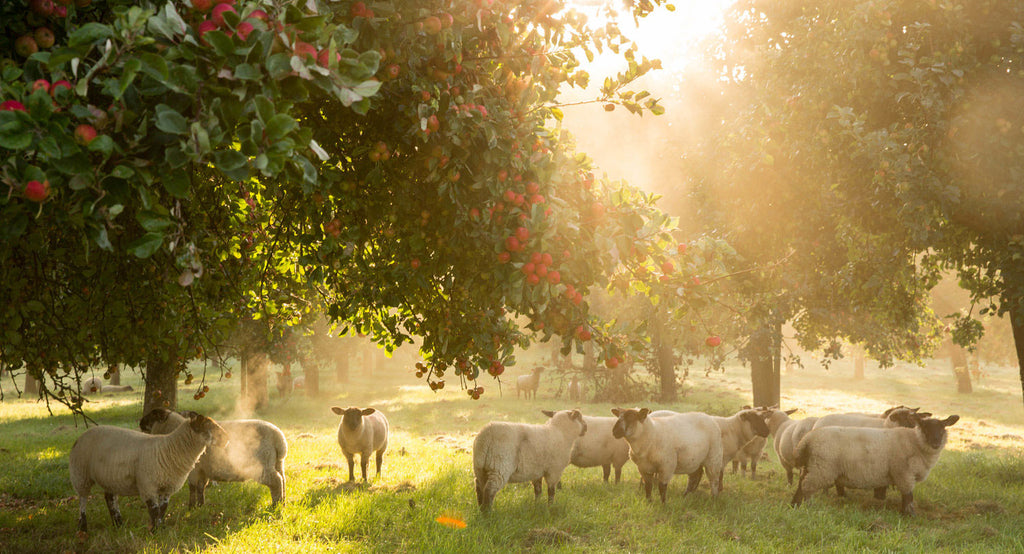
(311, 372)
(858, 363)
(243, 373)
(115, 374)
(161, 382)
(589, 359)
(664, 356)
(958, 362)
(31, 386)
(765, 355)
(1017, 324)
(256, 394)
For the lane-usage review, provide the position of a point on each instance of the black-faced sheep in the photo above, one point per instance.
(519, 452)
(600, 448)
(125, 462)
(870, 458)
(362, 431)
(897, 416)
(675, 444)
(526, 384)
(255, 452)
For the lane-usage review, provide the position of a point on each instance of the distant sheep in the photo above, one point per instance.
(255, 452)
(599, 448)
(92, 385)
(661, 447)
(870, 458)
(526, 384)
(362, 431)
(506, 452)
(125, 462)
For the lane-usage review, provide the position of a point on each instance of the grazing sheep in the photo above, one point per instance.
(125, 462)
(897, 416)
(664, 446)
(92, 385)
(255, 452)
(362, 431)
(599, 448)
(518, 452)
(116, 388)
(575, 389)
(750, 453)
(737, 430)
(526, 384)
(870, 458)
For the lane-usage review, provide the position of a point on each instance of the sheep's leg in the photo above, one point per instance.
(789, 476)
(351, 467)
(154, 513)
(83, 526)
(694, 480)
(753, 468)
(379, 460)
(607, 471)
(880, 493)
(663, 490)
(479, 491)
(647, 479)
(197, 490)
(364, 461)
(551, 490)
(115, 512)
(908, 503)
(537, 486)
(275, 482)
(736, 466)
(840, 490)
(618, 474)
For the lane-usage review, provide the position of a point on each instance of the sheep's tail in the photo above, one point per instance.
(802, 453)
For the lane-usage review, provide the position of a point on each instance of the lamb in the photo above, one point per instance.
(125, 462)
(870, 458)
(663, 446)
(736, 430)
(529, 383)
(599, 448)
(518, 452)
(256, 452)
(575, 389)
(362, 431)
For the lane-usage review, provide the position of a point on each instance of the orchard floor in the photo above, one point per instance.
(973, 501)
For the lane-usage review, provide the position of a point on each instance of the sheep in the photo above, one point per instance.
(663, 446)
(255, 452)
(125, 462)
(599, 448)
(92, 385)
(870, 458)
(750, 453)
(362, 431)
(526, 384)
(736, 430)
(116, 388)
(506, 452)
(787, 433)
(897, 416)
(575, 389)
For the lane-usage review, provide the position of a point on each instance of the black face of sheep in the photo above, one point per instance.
(756, 421)
(214, 434)
(574, 415)
(628, 421)
(352, 417)
(934, 430)
(156, 415)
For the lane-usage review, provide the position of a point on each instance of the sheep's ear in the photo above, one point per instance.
(949, 421)
(760, 427)
(793, 411)
(924, 415)
(643, 414)
(916, 409)
(548, 413)
(773, 407)
(616, 412)
(337, 410)
(368, 411)
(576, 415)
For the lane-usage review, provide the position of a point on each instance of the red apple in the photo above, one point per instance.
(425, 95)
(84, 134)
(36, 191)
(41, 84)
(202, 5)
(502, 175)
(446, 20)
(667, 268)
(41, 7)
(243, 30)
(533, 279)
(415, 263)
(323, 58)
(206, 27)
(522, 233)
(44, 37)
(433, 124)
(25, 46)
(554, 277)
(12, 106)
(681, 249)
(60, 11)
(713, 341)
(304, 50)
(432, 25)
(62, 84)
(358, 9)
(258, 14)
(217, 15)
(504, 257)
(513, 244)
(393, 70)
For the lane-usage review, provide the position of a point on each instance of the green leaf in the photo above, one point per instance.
(155, 66)
(367, 88)
(247, 72)
(279, 65)
(102, 143)
(60, 56)
(177, 183)
(152, 221)
(146, 245)
(557, 113)
(131, 68)
(170, 121)
(223, 45)
(15, 132)
(279, 126)
(89, 33)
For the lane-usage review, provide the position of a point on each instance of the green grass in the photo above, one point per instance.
(972, 501)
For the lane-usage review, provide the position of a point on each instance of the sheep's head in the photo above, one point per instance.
(352, 418)
(906, 417)
(628, 421)
(212, 433)
(573, 415)
(755, 420)
(156, 415)
(934, 430)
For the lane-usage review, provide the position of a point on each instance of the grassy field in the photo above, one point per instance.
(973, 500)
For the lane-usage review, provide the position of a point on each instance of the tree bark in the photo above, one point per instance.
(958, 362)
(31, 386)
(115, 374)
(664, 356)
(311, 372)
(765, 357)
(257, 395)
(1017, 324)
(589, 359)
(161, 382)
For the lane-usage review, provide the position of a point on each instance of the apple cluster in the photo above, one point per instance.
(41, 37)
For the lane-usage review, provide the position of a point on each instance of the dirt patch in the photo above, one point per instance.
(451, 442)
(305, 436)
(986, 507)
(548, 537)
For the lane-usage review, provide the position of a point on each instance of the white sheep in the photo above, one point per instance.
(255, 452)
(125, 462)
(787, 434)
(897, 416)
(107, 389)
(737, 430)
(599, 448)
(506, 452)
(526, 384)
(749, 454)
(870, 458)
(674, 444)
(362, 431)
(92, 385)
